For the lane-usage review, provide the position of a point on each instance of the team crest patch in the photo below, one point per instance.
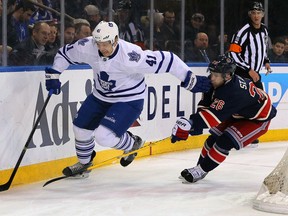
(134, 56)
(105, 82)
(83, 41)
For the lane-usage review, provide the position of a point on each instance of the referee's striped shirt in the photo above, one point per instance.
(249, 47)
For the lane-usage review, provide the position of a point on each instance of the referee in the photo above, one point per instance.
(249, 46)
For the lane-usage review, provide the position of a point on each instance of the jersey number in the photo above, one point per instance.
(253, 90)
(151, 60)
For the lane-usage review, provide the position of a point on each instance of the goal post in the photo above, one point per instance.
(273, 194)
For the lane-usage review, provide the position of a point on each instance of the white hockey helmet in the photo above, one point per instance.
(105, 31)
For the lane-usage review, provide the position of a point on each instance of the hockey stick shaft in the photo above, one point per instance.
(110, 160)
(7, 185)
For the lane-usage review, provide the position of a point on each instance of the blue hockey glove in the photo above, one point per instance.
(52, 80)
(195, 83)
(181, 130)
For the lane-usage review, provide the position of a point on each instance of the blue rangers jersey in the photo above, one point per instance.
(120, 77)
(238, 98)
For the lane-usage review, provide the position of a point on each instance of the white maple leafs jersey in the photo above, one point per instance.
(120, 77)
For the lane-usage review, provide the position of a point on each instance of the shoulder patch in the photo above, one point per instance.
(134, 56)
(83, 41)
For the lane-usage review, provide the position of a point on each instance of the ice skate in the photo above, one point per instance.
(138, 143)
(79, 170)
(192, 175)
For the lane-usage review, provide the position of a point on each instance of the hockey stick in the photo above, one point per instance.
(7, 185)
(110, 160)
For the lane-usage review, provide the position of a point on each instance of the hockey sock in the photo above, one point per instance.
(209, 142)
(84, 150)
(126, 142)
(214, 157)
(217, 154)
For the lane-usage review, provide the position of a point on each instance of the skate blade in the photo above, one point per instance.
(80, 176)
(252, 145)
(184, 181)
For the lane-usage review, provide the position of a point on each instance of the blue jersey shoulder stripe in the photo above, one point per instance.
(160, 64)
(65, 57)
(170, 63)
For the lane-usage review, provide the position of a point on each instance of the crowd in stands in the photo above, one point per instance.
(33, 35)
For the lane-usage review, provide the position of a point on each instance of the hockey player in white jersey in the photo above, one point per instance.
(119, 69)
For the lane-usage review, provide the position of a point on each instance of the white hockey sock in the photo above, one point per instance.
(84, 150)
(126, 142)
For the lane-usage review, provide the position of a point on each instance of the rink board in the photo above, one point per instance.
(52, 147)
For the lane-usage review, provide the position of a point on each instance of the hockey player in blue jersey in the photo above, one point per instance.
(119, 69)
(235, 110)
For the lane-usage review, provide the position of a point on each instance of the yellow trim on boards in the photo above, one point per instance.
(51, 169)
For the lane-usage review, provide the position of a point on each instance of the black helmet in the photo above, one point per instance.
(223, 64)
(124, 5)
(256, 6)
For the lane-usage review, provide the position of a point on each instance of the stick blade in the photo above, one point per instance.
(55, 179)
(5, 186)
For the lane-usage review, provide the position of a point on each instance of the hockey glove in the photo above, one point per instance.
(195, 83)
(181, 130)
(52, 80)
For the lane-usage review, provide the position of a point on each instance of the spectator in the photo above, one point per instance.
(105, 14)
(276, 54)
(200, 51)
(82, 30)
(42, 14)
(18, 23)
(11, 5)
(128, 30)
(217, 46)
(286, 46)
(51, 47)
(69, 33)
(29, 51)
(92, 14)
(158, 22)
(53, 42)
(169, 31)
(195, 25)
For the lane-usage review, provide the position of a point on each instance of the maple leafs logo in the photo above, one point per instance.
(83, 41)
(134, 56)
(104, 81)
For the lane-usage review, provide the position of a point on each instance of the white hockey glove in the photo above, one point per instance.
(195, 83)
(181, 130)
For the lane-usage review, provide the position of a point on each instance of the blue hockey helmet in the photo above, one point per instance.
(223, 64)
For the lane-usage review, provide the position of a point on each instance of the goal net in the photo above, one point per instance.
(273, 194)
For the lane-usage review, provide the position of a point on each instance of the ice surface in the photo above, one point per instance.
(150, 187)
